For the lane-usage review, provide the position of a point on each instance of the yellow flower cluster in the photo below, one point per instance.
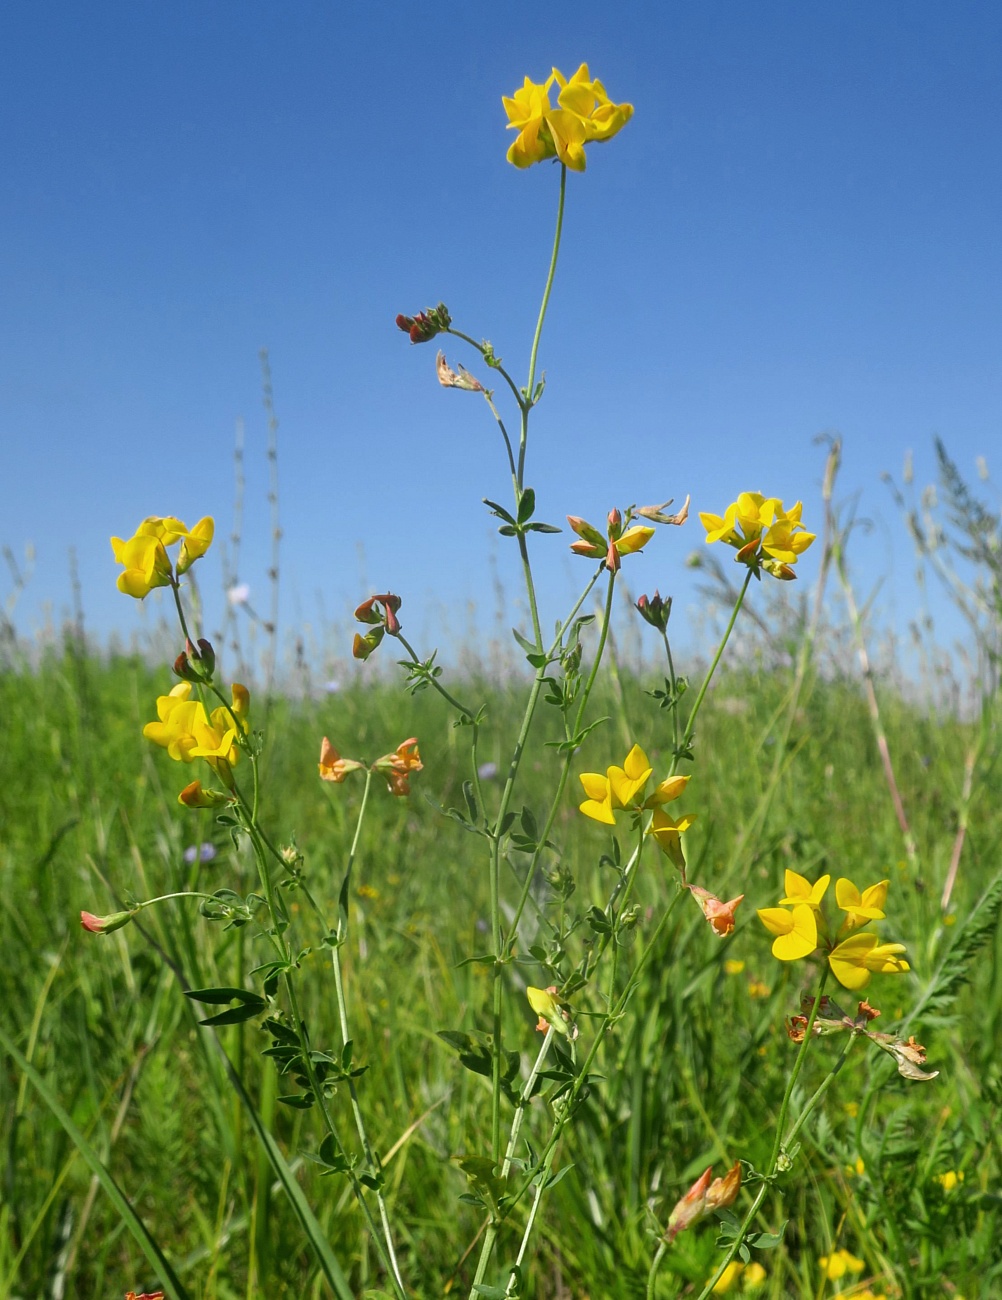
(186, 732)
(800, 927)
(764, 535)
(584, 113)
(622, 788)
(144, 557)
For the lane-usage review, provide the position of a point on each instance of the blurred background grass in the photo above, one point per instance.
(694, 1075)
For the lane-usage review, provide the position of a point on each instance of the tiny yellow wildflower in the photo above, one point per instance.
(836, 1266)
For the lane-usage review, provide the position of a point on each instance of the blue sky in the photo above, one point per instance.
(798, 232)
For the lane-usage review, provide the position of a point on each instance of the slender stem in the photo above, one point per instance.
(659, 1255)
(175, 587)
(600, 649)
(690, 725)
(546, 292)
(527, 402)
(494, 365)
(673, 687)
(316, 1088)
(523, 1101)
(780, 1144)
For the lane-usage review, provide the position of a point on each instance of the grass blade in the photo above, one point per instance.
(158, 1261)
(326, 1258)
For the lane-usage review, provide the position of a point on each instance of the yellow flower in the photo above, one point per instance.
(733, 967)
(145, 562)
(841, 1262)
(144, 556)
(951, 1179)
(620, 786)
(552, 1014)
(587, 100)
(860, 907)
(183, 729)
(728, 1277)
(753, 1277)
(796, 930)
(800, 890)
(764, 535)
(195, 544)
(853, 960)
(758, 989)
(584, 113)
(175, 728)
(668, 832)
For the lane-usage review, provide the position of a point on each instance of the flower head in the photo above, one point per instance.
(836, 1265)
(860, 907)
(553, 1013)
(796, 930)
(703, 1197)
(855, 958)
(583, 113)
(333, 767)
(800, 926)
(398, 766)
(720, 915)
(764, 535)
(620, 539)
(144, 557)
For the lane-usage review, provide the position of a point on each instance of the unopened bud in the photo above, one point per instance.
(194, 796)
(105, 924)
(654, 610)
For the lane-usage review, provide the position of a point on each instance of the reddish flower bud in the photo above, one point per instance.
(105, 924)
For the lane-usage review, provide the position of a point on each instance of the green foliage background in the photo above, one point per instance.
(693, 1075)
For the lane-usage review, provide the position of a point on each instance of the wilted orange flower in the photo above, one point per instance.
(332, 766)
(720, 915)
(398, 766)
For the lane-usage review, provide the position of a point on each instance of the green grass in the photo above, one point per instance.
(693, 1075)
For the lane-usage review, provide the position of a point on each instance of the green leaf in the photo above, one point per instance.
(499, 511)
(220, 996)
(297, 1100)
(158, 1261)
(528, 646)
(542, 528)
(235, 1015)
(526, 505)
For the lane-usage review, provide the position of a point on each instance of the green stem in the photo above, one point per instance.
(673, 687)
(690, 725)
(306, 1055)
(342, 1005)
(780, 1145)
(495, 365)
(600, 649)
(527, 403)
